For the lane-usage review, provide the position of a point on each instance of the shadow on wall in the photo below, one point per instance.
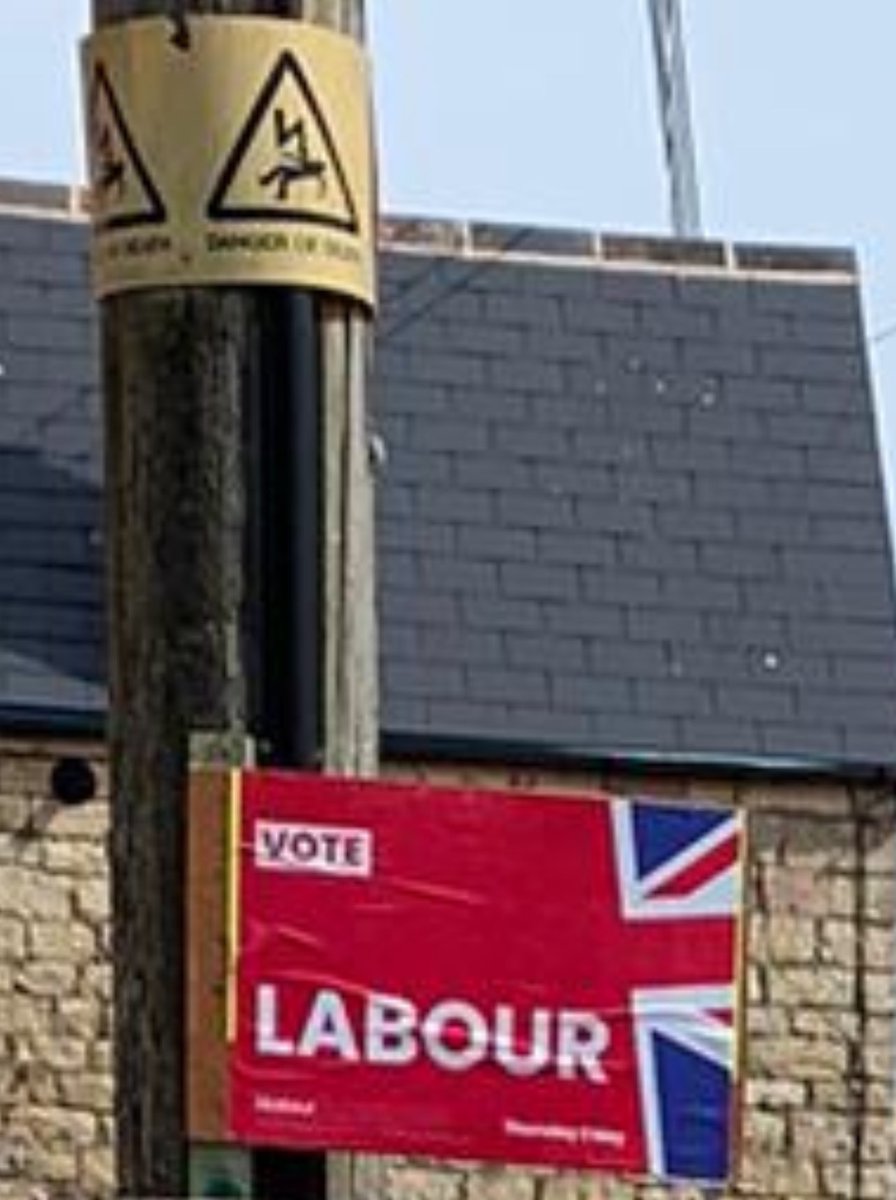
(52, 639)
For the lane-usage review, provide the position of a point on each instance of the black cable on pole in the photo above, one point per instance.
(284, 436)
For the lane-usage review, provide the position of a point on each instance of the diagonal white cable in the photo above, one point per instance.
(675, 116)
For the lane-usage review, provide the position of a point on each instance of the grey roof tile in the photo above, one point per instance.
(825, 743)
(625, 509)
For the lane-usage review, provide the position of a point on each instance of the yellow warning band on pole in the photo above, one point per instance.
(232, 151)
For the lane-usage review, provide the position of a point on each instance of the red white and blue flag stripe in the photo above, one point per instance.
(684, 867)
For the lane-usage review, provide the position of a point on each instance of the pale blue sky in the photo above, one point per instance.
(488, 110)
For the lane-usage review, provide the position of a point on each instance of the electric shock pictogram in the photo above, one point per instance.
(124, 193)
(285, 165)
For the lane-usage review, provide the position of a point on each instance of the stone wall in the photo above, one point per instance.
(55, 985)
(819, 1092)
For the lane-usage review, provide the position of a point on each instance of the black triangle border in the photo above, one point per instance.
(217, 210)
(158, 211)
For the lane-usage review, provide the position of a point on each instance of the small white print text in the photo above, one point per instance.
(573, 1135)
(284, 1106)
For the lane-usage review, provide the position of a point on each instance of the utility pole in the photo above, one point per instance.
(240, 588)
(675, 116)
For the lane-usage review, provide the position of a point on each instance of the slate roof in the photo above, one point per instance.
(632, 502)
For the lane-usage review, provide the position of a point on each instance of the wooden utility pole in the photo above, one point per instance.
(211, 397)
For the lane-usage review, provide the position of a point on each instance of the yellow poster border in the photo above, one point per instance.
(233, 901)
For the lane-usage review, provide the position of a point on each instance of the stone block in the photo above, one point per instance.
(92, 901)
(775, 1094)
(15, 812)
(417, 1183)
(42, 1083)
(877, 1139)
(497, 1184)
(54, 1166)
(824, 1024)
(805, 1059)
(878, 1183)
(96, 1172)
(822, 1137)
(786, 939)
(880, 898)
(101, 1057)
(89, 1091)
(28, 893)
(77, 1018)
(566, 1187)
(877, 1062)
(47, 978)
(61, 942)
(96, 980)
(808, 892)
(75, 857)
(63, 1128)
(12, 939)
(13, 1158)
(86, 821)
(781, 1178)
(763, 1021)
(64, 1054)
(765, 1133)
(878, 992)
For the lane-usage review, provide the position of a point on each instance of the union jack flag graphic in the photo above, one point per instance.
(683, 866)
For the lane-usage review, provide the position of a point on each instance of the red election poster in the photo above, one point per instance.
(515, 977)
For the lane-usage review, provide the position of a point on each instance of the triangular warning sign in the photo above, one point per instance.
(124, 195)
(285, 165)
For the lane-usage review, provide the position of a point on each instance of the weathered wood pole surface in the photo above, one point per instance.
(179, 373)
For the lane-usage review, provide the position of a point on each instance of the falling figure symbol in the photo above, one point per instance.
(111, 166)
(296, 163)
